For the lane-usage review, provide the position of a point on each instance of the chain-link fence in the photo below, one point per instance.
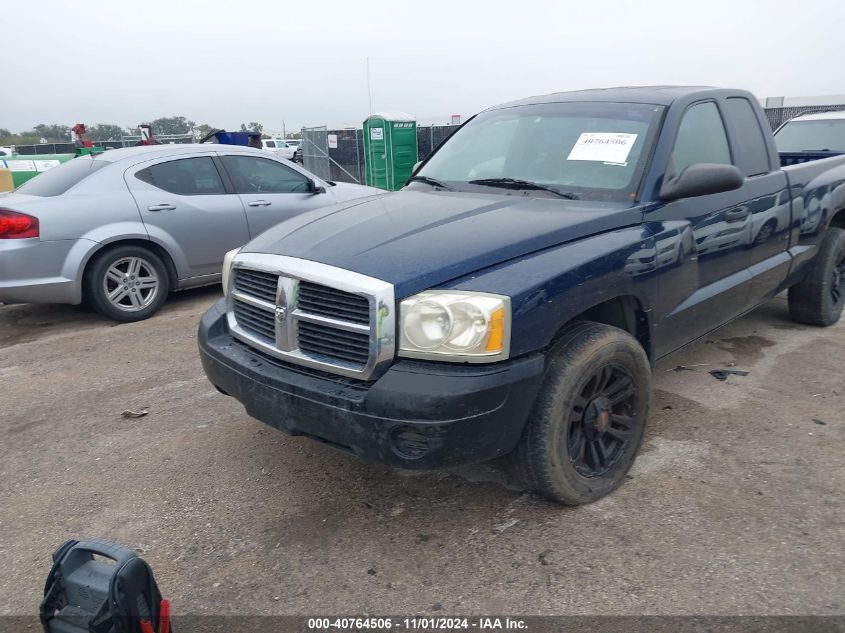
(430, 137)
(346, 148)
(315, 151)
(46, 148)
(70, 148)
(779, 116)
(338, 155)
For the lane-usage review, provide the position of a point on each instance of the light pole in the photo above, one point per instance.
(369, 90)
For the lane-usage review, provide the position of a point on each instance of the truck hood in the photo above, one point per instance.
(418, 239)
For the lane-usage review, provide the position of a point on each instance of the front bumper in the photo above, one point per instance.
(35, 271)
(419, 415)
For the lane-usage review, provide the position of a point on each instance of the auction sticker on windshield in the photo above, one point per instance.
(605, 147)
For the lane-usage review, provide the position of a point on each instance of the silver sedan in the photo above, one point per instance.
(122, 229)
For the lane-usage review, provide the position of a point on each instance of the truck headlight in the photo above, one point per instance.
(227, 267)
(454, 325)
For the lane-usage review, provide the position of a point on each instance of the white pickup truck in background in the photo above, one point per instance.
(278, 146)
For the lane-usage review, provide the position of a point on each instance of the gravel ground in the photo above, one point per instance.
(735, 505)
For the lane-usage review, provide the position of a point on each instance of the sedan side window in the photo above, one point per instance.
(251, 174)
(185, 176)
(701, 139)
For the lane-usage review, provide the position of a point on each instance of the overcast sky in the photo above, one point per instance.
(304, 62)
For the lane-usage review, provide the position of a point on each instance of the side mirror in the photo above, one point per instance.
(316, 188)
(702, 179)
(416, 167)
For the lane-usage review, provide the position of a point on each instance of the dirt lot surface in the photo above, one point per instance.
(735, 505)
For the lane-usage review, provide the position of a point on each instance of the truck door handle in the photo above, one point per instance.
(161, 207)
(259, 203)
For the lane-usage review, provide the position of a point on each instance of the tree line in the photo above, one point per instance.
(163, 126)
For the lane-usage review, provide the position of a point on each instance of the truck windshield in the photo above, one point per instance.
(825, 135)
(583, 150)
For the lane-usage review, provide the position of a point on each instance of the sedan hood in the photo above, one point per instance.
(418, 239)
(348, 191)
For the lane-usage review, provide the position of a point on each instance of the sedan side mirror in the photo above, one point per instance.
(316, 188)
(701, 179)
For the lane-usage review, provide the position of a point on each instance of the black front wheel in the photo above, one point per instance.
(590, 416)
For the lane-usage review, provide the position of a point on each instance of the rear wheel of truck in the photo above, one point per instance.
(126, 283)
(589, 418)
(820, 297)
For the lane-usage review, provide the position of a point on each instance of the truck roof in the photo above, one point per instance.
(655, 95)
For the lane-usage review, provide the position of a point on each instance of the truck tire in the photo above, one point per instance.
(819, 298)
(126, 283)
(590, 416)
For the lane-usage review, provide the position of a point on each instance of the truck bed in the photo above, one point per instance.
(796, 158)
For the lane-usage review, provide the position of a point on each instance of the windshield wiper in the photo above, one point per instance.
(515, 183)
(430, 181)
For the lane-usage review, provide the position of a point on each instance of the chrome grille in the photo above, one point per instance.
(333, 343)
(334, 303)
(257, 283)
(255, 320)
(312, 314)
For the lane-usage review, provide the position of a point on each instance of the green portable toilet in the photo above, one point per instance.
(390, 149)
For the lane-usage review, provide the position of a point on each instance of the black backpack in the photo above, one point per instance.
(83, 593)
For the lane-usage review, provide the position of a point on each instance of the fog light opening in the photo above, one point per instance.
(409, 443)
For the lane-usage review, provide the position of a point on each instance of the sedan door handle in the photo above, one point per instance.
(259, 203)
(161, 207)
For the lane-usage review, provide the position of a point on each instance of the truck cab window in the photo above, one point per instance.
(752, 156)
(701, 139)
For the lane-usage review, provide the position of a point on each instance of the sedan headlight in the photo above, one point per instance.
(453, 325)
(227, 267)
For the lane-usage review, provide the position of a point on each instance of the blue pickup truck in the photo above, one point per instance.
(512, 299)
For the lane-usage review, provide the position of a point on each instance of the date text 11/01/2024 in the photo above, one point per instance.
(418, 624)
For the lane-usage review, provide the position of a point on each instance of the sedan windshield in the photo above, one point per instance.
(573, 150)
(825, 135)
